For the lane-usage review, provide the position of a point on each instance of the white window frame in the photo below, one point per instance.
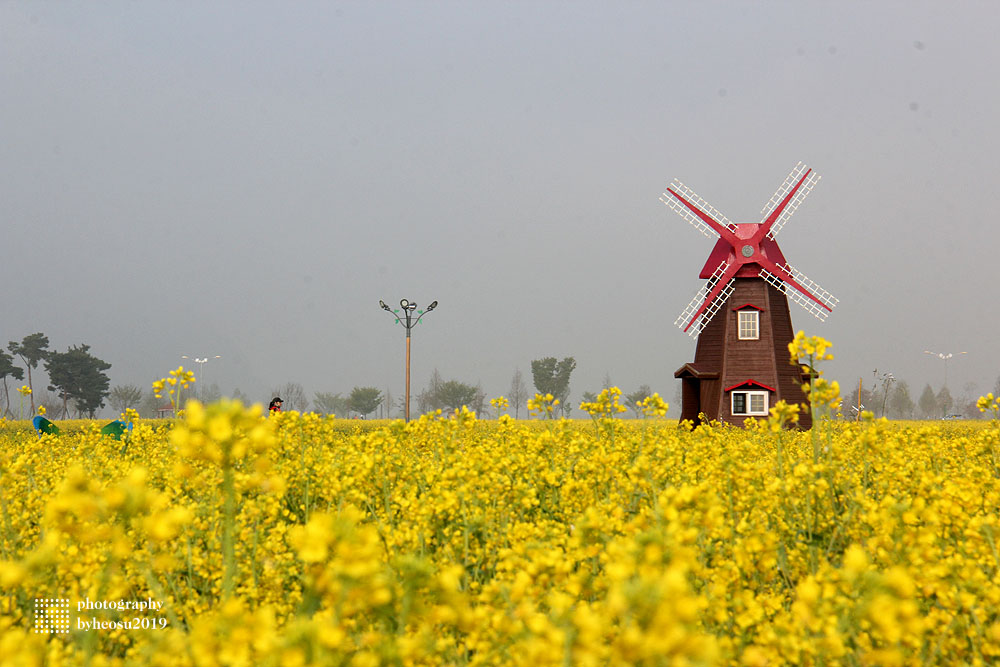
(753, 316)
(750, 395)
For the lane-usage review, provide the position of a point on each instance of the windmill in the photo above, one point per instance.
(740, 315)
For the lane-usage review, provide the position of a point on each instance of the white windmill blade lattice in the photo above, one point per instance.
(794, 294)
(686, 213)
(803, 191)
(685, 317)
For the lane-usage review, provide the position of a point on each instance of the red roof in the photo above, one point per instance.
(749, 383)
(745, 306)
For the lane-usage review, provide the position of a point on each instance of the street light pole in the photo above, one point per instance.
(201, 363)
(945, 357)
(406, 320)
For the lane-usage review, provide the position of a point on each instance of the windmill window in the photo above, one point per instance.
(749, 402)
(749, 325)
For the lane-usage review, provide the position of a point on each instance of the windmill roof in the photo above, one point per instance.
(723, 251)
(697, 371)
(749, 383)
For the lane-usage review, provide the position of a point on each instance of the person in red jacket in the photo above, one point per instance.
(275, 405)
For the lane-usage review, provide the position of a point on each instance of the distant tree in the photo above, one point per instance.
(928, 403)
(125, 396)
(292, 395)
(78, 375)
(327, 403)
(365, 400)
(552, 377)
(48, 401)
(427, 400)
(945, 402)
(518, 394)
(149, 404)
(7, 367)
(241, 397)
(632, 400)
(32, 349)
(900, 403)
(965, 404)
(210, 393)
(606, 382)
(452, 395)
(387, 404)
(589, 396)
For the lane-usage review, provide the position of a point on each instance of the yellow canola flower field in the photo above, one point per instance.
(302, 540)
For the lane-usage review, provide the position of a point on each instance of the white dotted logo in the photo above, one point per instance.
(52, 615)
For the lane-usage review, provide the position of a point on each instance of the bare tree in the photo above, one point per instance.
(332, 404)
(50, 402)
(387, 404)
(642, 393)
(426, 399)
(518, 394)
(293, 395)
(149, 405)
(210, 394)
(125, 396)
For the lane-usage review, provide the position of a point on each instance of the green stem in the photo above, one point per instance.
(228, 530)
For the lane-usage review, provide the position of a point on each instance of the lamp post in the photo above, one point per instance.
(201, 363)
(408, 322)
(945, 357)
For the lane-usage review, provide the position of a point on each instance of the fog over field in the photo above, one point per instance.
(249, 180)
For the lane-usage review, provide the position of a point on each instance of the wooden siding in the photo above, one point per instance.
(765, 360)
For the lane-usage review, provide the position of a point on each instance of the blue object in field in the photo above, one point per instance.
(43, 425)
(116, 428)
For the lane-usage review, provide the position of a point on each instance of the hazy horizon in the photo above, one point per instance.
(248, 180)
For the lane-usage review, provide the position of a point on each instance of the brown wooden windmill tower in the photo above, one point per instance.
(741, 366)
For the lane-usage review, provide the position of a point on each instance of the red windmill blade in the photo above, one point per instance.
(747, 250)
(798, 184)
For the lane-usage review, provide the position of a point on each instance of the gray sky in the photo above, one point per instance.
(249, 179)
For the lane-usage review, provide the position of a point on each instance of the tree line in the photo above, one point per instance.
(887, 397)
(76, 375)
(81, 387)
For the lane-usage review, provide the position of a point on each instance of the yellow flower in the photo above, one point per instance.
(543, 405)
(605, 405)
(813, 347)
(782, 415)
(988, 402)
(653, 406)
